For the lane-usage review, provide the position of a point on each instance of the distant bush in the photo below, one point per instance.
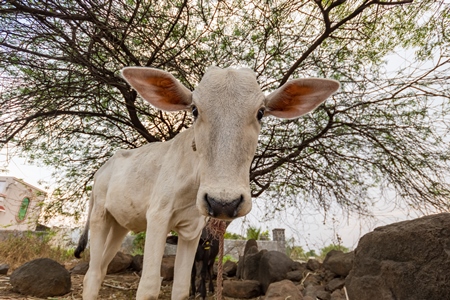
(233, 236)
(324, 251)
(138, 243)
(21, 247)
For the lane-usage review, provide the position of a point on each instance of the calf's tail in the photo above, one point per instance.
(84, 237)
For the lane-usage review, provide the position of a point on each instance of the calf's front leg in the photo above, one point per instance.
(184, 261)
(155, 240)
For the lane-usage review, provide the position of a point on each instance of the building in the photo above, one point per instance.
(20, 204)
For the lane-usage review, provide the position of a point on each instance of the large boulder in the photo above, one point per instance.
(42, 277)
(273, 267)
(282, 290)
(405, 260)
(250, 269)
(251, 247)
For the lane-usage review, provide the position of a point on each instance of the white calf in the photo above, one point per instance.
(201, 173)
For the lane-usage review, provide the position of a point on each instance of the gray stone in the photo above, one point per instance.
(323, 295)
(335, 284)
(120, 263)
(167, 267)
(242, 289)
(339, 262)
(296, 275)
(251, 248)
(137, 263)
(251, 243)
(313, 290)
(252, 261)
(80, 268)
(273, 267)
(312, 279)
(282, 290)
(42, 277)
(313, 264)
(4, 268)
(338, 295)
(405, 260)
(230, 268)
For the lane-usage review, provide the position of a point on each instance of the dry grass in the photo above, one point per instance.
(19, 248)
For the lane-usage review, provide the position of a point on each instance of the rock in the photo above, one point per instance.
(250, 270)
(4, 269)
(339, 262)
(296, 275)
(273, 267)
(167, 267)
(240, 267)
(338, 295)
(80, 268)
(137, 263)
(312, 279)
(230, 268)
(299, 266)
(42, 277)
(335, 284)
(327, 275)
(282, 290)
(251, 247)
(405, 260)
(313, 264)
(243, 289)
(323, 295)
(313, 290)
(120, 263)
(251, 243)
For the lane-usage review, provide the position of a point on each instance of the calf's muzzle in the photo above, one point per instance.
(222, 209)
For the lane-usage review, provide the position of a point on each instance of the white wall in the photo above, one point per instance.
(12, 193)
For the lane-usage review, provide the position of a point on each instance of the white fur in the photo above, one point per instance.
(162, 186)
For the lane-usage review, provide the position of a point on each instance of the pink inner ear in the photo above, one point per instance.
(291, 97)
(165, 89)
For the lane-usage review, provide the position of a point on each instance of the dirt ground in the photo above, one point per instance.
(116, 286)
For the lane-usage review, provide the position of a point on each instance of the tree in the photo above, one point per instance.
(253, 233)
(233, 236)
(63, 103)
(324, 251)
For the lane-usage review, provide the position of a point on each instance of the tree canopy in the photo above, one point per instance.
(64, 104)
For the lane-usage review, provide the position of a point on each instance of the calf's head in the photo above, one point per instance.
(228, 106)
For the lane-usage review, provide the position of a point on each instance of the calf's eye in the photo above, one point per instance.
(194, 111)
(260, 114)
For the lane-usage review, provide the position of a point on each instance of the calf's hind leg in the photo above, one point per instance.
(106, 237)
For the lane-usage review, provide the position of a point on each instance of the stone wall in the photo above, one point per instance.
(68, 238)
(235, 248)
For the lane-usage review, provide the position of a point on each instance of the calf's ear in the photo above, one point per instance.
(298, 97)
(159, 88)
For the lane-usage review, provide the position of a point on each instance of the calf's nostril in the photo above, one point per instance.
(221, 208)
